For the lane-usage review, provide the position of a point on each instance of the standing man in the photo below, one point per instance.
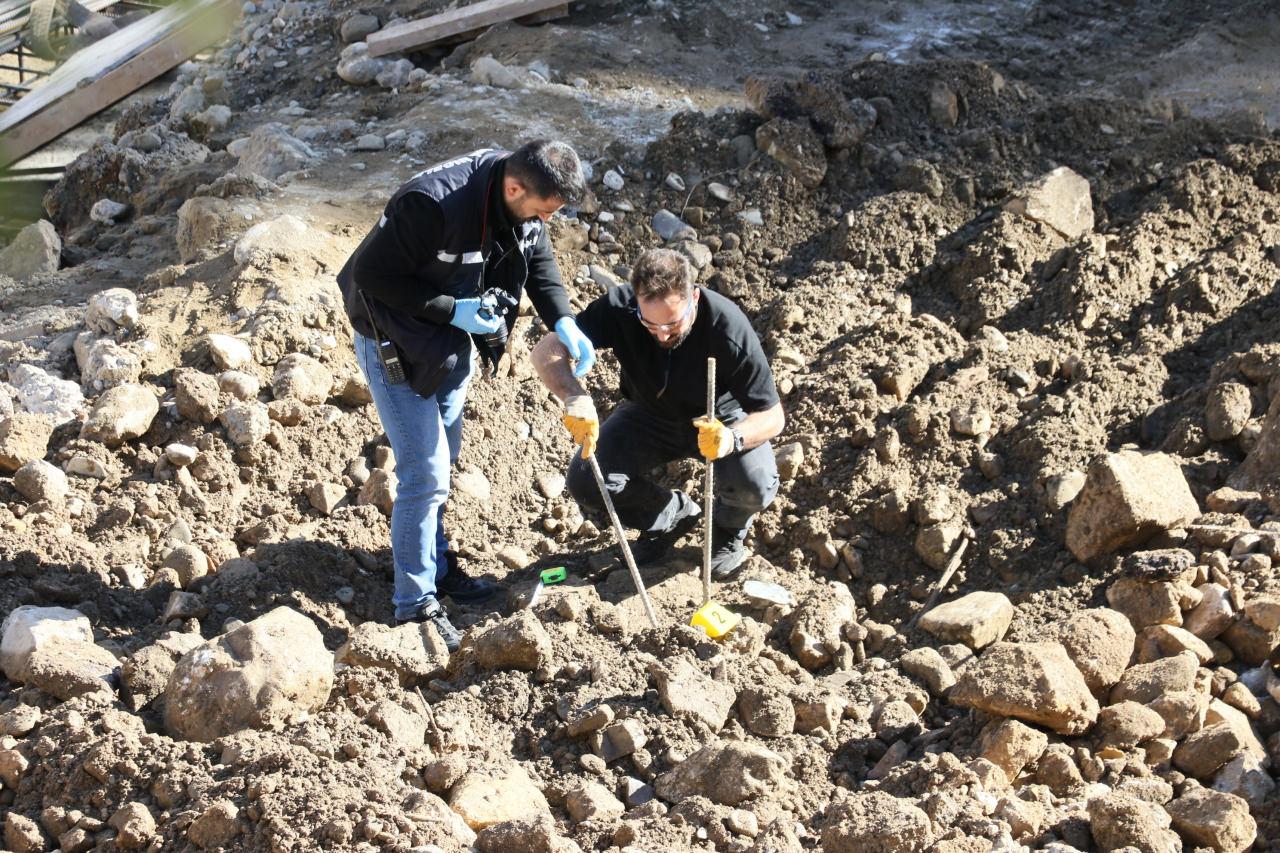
(662, 329)
(456, 246)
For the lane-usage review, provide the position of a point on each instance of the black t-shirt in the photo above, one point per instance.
(673, 383)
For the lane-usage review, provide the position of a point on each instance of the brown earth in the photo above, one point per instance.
(900, 262)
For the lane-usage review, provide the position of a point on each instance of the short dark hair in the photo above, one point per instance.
(549, 169)
(660, 273)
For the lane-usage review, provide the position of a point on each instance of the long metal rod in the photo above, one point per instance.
(622, 541)
(709, 489)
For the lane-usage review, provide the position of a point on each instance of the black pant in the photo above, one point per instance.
(633, 442)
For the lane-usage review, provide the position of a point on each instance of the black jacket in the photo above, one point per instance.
(445, 235)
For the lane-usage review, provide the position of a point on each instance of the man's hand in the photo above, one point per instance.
(583, 423)
(578, 345)
(715, 440)
(467, 317)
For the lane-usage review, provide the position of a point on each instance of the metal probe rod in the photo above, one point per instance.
(622, 541)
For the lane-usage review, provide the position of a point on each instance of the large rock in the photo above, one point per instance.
(195, 395)
(818, 624)
(528, 835)
(120, 414)
(264, 674)
(205, 224)
(517, 642)
(1127, 498)
(977, 619)
(1126, 724)
(24, 438)
(876, 822)
(68, 668)
(1208, 818)
(1036, 682)
(489, 796)
(1145, 602)
(1203, 752)
(274, 238)
(36, 250)
(112, 310)
(413, 651)
(1011, 746)
(1146, 682)
(725, 772)
(1059, 199)
(41, 481)
(1213, 615)
(1099, 642)
(688, 694)
(1260, 471)
(1120, 820)
(301, 377)
(247, 423)
(767, 711)
(29, 627)
(270, 151)
(1226, 411)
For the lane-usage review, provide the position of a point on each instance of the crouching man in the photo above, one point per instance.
(662, 328)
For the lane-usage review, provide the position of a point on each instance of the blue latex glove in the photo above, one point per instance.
(467, 317)
(578, 345)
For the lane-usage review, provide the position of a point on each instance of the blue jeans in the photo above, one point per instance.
(426, 436)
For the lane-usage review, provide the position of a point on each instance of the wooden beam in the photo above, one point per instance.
(107, 71)
(455, 22)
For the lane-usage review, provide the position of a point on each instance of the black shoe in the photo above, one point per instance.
(432, 612)
(727, 558)
(462, 588)
(654, 544)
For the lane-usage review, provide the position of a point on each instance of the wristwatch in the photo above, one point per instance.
(738, 440)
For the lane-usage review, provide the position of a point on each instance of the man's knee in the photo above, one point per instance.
(582, 483)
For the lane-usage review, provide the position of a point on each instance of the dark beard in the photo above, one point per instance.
(672, 343)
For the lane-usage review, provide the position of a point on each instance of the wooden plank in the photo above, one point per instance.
(99, 81)
(454, 22)
(528, 20)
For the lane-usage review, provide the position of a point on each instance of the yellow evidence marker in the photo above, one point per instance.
(715, 620)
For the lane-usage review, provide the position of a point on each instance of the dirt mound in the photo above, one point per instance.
(956, 366)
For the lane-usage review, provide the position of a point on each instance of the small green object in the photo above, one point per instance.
(554, 575)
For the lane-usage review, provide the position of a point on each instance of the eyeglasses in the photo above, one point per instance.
(663, 327)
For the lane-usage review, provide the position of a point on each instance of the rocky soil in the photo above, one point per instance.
(1018, 277)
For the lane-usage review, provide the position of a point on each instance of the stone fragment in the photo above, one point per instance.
(1146, 603)
(1183, 712)
(1226, 411)
(1246, 776)
(413, 651)
(818, 624)
(270, 151)
(195, 395)
(517, 642)
(1119, 820)
(216, 827)
(111, 310)
(134, 826)
(40, 481)
(1213, 615)
(1128, 497)
(1126, 724)
(977, 619)
(1209, 818)
(789, 458)
(120, 414)
(620, 739)
(725, 772)
(1011, 746)
(28, 627)
(1036, 682)
(494, 795)
(528, 835)
(688, 694)
(592, 801)
(1161, 641)
(1203, 752)
(1100, 642)
(229, 352)
(930, 667)
(66, 668)
(876, 821)
(35, 250)
(301, 377)
(766, 712)
(247, 423)
(1060, 199)
(818, 711)
(1146, 682)
(24, 437)
(265, 673)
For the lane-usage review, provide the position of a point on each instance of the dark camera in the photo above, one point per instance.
(496, 302)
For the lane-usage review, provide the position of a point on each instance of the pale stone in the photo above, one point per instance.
(977, 619)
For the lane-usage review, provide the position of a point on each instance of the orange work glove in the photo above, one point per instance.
(583, 423)
(715, 440)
